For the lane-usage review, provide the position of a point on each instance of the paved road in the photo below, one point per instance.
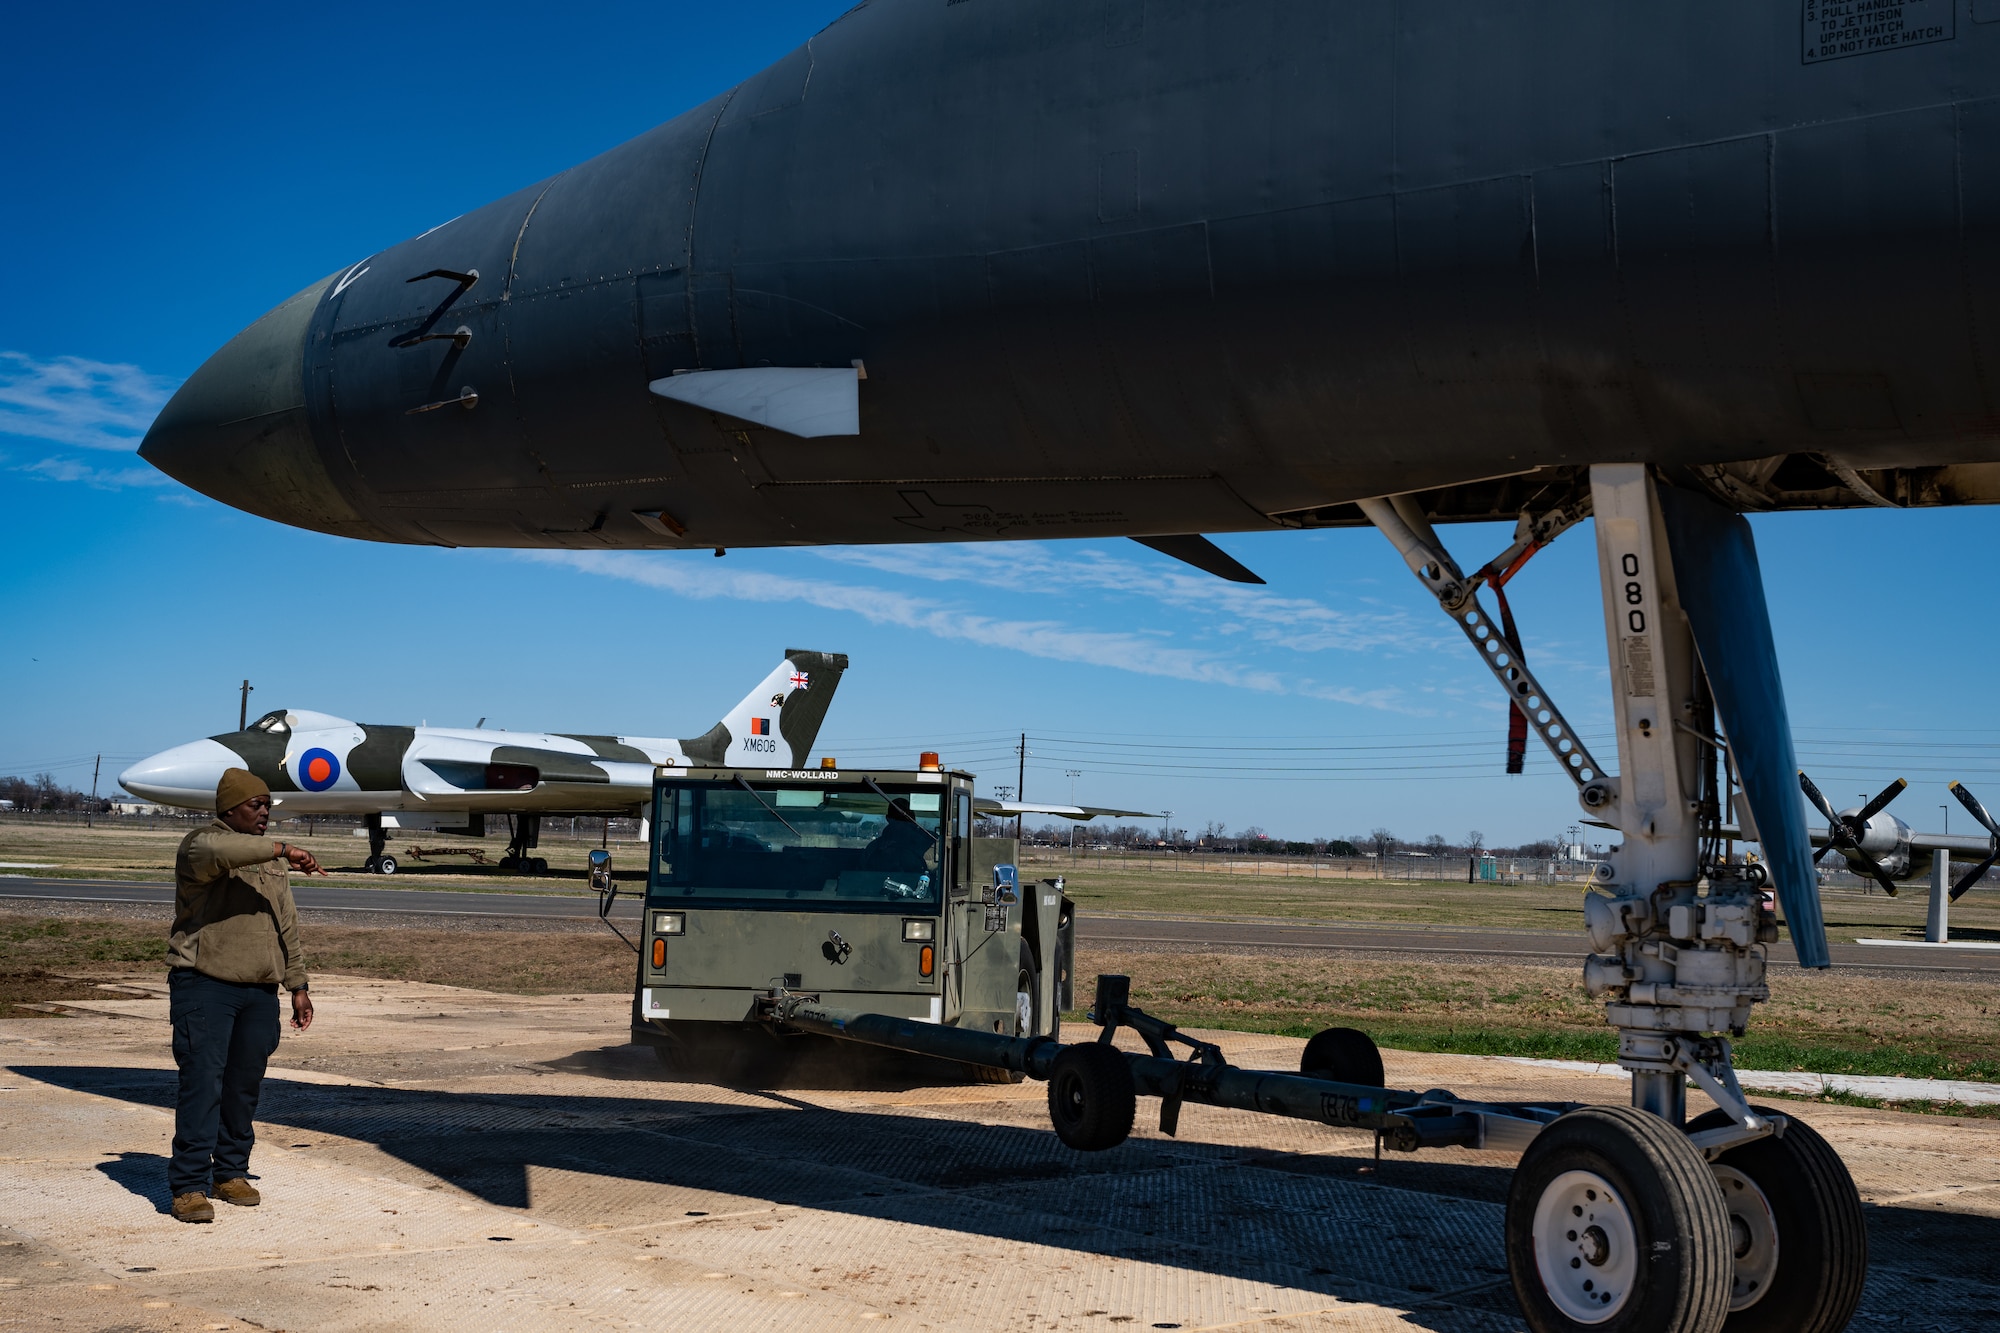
(1105, 932)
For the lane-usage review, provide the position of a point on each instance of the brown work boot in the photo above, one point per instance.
(193, 1207)
(239, 1192)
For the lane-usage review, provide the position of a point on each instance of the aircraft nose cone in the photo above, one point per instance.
(185, 775)
(237, 430)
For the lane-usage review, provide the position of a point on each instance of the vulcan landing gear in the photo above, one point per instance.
(526, 837)
(379, 862)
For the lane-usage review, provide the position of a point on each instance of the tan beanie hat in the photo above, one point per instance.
(237, 786)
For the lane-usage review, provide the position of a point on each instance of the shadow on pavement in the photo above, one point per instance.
(1297, 1220)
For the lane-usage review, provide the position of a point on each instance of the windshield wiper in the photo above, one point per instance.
(897, 811)
(768, 807)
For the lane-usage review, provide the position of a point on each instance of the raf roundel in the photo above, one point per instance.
(318, 770)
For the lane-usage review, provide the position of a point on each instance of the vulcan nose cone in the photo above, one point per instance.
(237, 430)
(185, 775)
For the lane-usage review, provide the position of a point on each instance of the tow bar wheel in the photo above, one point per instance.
(1092, 1100)
(1614, 1222)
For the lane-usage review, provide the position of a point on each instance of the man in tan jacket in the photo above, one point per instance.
(235, 940)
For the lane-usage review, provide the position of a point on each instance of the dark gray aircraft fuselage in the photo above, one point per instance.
(1165, 266)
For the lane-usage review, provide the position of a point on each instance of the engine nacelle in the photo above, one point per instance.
(1887, 839)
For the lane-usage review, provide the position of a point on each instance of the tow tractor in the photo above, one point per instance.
(864, 889)
(792, 907)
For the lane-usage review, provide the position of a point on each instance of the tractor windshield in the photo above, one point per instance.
(753, 844)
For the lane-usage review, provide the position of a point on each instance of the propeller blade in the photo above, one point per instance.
(1881, 875)
(1882, 798)
(1821, 852)
(1978, 811)
(1971, 877)
(1819, 801)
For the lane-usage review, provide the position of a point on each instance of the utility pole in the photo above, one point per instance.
(1021, 783)
(243, 708)
(90, 820)
(1072, 774)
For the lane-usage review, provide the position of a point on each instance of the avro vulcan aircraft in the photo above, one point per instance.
(986, 269)
(452, 778)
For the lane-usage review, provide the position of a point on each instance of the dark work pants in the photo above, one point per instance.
(224, 1031)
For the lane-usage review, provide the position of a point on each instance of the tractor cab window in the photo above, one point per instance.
(756, 844)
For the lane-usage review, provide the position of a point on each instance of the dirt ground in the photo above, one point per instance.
(437, 1159)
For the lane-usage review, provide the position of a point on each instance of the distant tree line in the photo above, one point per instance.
(43, 792)
(1254, 841)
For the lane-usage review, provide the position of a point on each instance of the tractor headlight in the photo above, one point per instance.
(917, 929)
(670, 923)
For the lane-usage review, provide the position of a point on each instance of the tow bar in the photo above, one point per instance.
(1093, 1086)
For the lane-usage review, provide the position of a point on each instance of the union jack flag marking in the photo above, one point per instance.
(799, 680)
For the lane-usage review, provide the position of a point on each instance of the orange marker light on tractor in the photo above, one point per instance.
(828, 761)
(659, 953)
(928, 761)
(926, 960)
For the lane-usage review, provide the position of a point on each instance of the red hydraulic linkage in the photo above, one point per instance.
(1517, 720)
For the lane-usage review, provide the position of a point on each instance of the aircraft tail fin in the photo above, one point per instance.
(776, 723)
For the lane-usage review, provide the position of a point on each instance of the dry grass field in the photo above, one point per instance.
(125, 850)
(1191, 887)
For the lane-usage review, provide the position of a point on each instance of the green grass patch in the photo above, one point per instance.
(1840, 1097)
(1597, 1045)
(1824, 1057)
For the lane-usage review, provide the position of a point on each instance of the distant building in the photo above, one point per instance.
(132, 805)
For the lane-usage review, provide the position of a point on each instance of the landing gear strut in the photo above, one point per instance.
(379, 862)
(527, 835)
(1678, 929)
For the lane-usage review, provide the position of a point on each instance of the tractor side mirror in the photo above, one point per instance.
(600, 869)
(1005, 890)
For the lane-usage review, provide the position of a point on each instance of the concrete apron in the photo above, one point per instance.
(434, 1158)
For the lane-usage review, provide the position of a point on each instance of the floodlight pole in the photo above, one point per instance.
(243, 707)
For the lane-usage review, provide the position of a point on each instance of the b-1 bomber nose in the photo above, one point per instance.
(237, 431)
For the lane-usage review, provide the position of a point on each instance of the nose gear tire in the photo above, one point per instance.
(1821, 1240)
(1614, 1222)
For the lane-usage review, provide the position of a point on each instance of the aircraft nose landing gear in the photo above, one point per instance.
(1745, 1219)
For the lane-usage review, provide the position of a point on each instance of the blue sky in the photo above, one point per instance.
(203, 165)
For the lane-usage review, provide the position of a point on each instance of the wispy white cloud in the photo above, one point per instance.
(103, 478)
(1269, 618)
(74, 401)
(1137, 651)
